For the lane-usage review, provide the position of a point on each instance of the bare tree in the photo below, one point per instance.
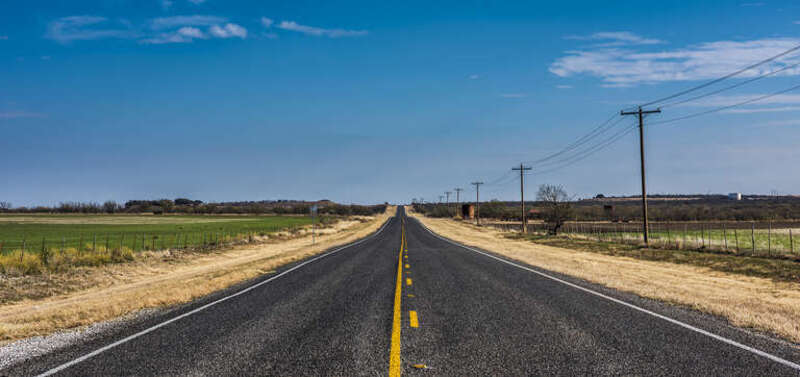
(557, 206)
(5, 206)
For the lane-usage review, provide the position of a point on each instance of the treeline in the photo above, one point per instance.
(785, 208)
(188, 206)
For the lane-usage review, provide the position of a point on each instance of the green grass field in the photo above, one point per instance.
(135, 232)
(744, 241)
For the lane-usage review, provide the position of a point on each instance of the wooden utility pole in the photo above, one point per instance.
(522, 170)
(477, 202)
(641, 113)
(458, 201)
(447, 202)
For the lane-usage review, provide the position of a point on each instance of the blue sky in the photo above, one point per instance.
(372, 101)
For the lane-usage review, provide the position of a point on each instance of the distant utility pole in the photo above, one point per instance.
(440, 198)
(477, 202)
(458, 198)
(641, 113)
(447, 203)
(522, 170)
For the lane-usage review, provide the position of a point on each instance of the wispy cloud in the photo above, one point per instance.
(317, 31)
(197, 2)
(615, 38)
(564, 86)
(19, 114)
(161, 23)
(183, 35)
(72, 28)
(3, 37)
(627, 67)
(166, 4)
(473, 77)
(781, 123)
(513, 95)
(757, 4)
(267, 22)
(228, 31)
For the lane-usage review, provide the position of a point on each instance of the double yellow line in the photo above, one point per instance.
(395, 367)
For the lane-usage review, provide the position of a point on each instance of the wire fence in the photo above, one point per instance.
(134, 241)
(745, 238)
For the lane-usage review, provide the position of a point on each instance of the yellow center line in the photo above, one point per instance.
(408, 281)
(407, 265)
(395, 368)
(412, 316)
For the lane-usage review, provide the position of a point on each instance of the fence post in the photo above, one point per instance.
(753, 236)
(80, 244)
(736, 236)
(791, 242)
(22, 254)
(685, 230)
(94, 242)
(769, 239)
(107, 250)
(725, 234)
(703, 234)
(63, 242)
(121, 241)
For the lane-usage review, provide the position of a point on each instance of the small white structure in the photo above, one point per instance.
(735, 196)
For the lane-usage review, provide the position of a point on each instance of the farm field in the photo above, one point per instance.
(134, 232)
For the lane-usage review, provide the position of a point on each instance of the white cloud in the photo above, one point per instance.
(197, 2)
(615, 38)
(513, 95)
(319, 32)
(185, 34)
(759, 4)
(564, 86)
(626, 67)
(228, 31)
(19, 114)
(473, 77)
(267, 22)
(161, 23)
(166, 4)
(67, 29)
(754, 110)
(3, 37)
(781, 123)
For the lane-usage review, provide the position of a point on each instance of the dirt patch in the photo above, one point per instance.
(752, 302)
(112, 291)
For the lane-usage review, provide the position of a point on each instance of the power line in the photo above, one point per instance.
(731, 86)
(732, 74)
(718, 109)
(582, 140)
(588, 152)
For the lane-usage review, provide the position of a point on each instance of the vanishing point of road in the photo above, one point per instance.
(405, 301)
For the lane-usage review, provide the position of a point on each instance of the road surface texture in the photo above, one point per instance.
(405, 301)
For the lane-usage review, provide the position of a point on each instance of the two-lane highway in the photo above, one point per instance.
(406, 301)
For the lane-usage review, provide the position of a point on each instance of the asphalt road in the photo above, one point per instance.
(437, 309)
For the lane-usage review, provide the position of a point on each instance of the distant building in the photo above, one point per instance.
(735, 196)
(467, 211)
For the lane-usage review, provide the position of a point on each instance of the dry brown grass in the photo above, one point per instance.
(751, 302)
(115, 290)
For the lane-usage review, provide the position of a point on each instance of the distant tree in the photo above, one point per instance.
(557, 208)
(5, 206)
(600, 196)
(111, 207)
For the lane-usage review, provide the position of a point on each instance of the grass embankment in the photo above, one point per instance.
(38, 243)
(50, 302)
(748, 292)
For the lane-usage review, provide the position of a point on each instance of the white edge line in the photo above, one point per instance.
(629, 305)
(206, 306)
